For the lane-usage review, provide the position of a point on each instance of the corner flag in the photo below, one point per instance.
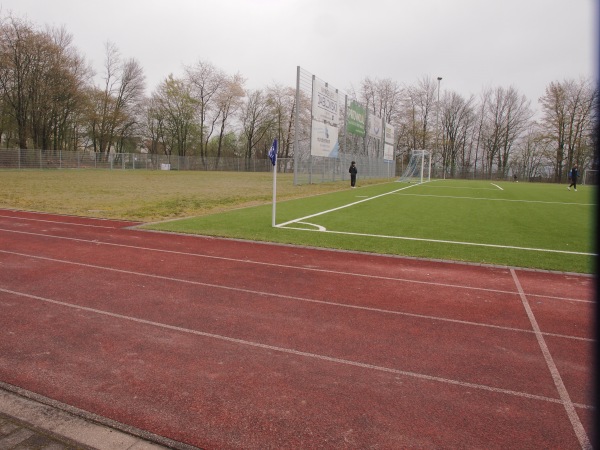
(273, 158)
(273, 152)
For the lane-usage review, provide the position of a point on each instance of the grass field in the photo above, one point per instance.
(534, 225)
(144, 195)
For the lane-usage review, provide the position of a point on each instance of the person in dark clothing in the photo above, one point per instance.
(574, 174)
(353, 171)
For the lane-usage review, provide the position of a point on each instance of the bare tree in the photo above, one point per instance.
(256, 121)
(457, 121)
(153, 126)
(568, 122)
(476, 140)
(173, 115)
(57, 92)
(283, 104)
(229, 100)
(418, 104)
(508, 116)
(207, 83)
(114, 104)
(532, 153)
(382, 99)
(42, 80)
(17, 39)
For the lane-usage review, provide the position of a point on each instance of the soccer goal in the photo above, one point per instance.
(590, 176)
(418, 169)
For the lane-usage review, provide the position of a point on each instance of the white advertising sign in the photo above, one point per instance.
(324, 140)
(325, 105)
(389, 134)
(388, 152)
(375, 127)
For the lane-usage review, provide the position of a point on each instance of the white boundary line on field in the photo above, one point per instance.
(322, 229)
(501, 199)
(301, 219)
(497, 186)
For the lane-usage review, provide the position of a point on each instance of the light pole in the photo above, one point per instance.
(437, 125)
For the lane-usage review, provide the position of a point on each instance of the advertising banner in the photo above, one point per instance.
(324, 140)
(325, 104)
(375, 126)
(356, 116)
(388, 147)
(389, 134)
(388, 152)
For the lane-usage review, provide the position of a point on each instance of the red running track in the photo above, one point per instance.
(226, 344)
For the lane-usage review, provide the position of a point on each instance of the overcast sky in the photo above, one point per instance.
(471, 44)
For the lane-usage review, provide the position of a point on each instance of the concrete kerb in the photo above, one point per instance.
(77, 427)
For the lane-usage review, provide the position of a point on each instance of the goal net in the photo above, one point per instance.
(590, 176)
(418, 169)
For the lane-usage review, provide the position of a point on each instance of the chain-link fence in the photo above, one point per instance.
(319, 170)
(44, 159)
(362, 146)
(312, 170)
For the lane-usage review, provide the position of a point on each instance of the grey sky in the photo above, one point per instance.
(472, 44)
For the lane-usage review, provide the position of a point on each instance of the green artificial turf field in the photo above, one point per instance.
(542, 226)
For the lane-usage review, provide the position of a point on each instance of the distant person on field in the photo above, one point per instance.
(573, 174)
(353, 171)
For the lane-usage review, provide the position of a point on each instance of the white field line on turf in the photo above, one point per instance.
(295, 352)
(497, 186)
(560, 386)
(460, 187)
(283, 225)
(441, 241)
(322, 229)
(499, 199)
(284, 266)
(291, 297)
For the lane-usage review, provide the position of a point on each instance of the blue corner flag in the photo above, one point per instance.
(273, 152)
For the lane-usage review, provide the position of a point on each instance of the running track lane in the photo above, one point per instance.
(226, 344)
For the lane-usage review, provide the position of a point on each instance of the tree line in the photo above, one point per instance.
(50, 99)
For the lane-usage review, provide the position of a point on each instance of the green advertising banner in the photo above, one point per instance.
(356, 119)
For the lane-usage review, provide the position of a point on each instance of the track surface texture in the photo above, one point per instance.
(226, 344)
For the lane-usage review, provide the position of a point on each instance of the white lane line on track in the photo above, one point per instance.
(288, 297)
(288, 266)
(560, 386)
(298, 352)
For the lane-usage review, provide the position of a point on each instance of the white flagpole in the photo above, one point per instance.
(273, 158)
(274, 191)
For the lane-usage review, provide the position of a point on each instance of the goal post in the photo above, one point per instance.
(418, 169)
(590, 176)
